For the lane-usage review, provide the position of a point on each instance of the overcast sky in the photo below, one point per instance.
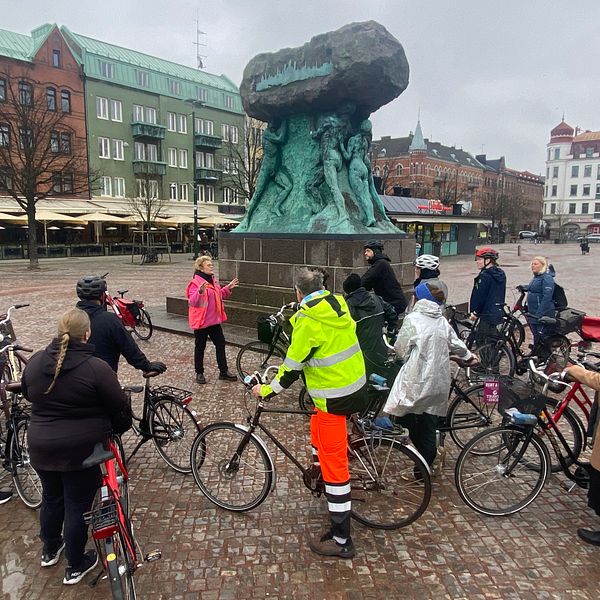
(496, 75)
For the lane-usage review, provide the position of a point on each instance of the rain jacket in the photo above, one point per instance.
(206, 308)
(325, 349)
(424, 343)
(432, 277)
(540, 296)
(381, 278)
(488, 295)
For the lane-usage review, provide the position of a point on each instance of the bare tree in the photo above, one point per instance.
(561, 214)
(40, 153)
(447, 190)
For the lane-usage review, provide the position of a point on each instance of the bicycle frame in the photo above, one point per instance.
(577, 394)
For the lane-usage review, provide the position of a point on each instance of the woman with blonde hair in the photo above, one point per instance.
(206, 312)
(76, 401)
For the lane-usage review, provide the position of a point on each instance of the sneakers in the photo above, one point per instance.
(589, 536)
(5, 497)
(327, 546)
(89, 561)
(228, 376)
(49, 559)
(200, 378)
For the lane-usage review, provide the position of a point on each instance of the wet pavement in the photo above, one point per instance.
(451, 552)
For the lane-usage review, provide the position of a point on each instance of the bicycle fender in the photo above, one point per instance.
(264, 447)
(415, 451)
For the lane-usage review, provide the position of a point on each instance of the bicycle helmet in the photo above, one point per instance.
(427, 261)
(375, 245)
(487, 253)
(91, 287)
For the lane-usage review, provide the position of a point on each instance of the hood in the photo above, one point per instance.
(77, 353)
(429, 308)
(329, 309)
(91, 307)
(378, 256)
(362, 299)
(497, 274)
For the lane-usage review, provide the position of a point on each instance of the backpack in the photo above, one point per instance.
(559, 297)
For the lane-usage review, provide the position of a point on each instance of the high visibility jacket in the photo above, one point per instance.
(325, 348)
(199, 303)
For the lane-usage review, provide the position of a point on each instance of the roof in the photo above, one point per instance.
(23, 47)
(405, 209)
(562, 129)
(418, 143)
(588, 136)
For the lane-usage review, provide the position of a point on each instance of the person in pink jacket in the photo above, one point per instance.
(206, 312)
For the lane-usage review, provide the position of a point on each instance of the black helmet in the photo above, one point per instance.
(91, 287)
(375, 245)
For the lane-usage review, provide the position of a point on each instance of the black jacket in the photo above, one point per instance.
(77, 413)
(488, 295)
(381, 279)
(371, 313)
(111, 339)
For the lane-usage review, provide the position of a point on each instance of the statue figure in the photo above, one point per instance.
(272, 168)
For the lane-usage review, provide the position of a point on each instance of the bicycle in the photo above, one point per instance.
(131, 313)
(389, 480)
(166, 420)
(503, 470)
(14, 361)
(110, 521)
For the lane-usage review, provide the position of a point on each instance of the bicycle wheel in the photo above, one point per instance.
(465, 420)
(119, 567)
(27, 481)
(257, 356)
(305, 402)
(143, 327)
(390, 483)
(173, 428)
(232, 477)
(496, 359)
(493, 475)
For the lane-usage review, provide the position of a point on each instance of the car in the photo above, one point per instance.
(527, 234)
(593, 238)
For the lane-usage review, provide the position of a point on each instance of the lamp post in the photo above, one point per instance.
(195, 184)
(194, 103)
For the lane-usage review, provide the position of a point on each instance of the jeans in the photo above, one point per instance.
(215, 333)
(66, 495)
(422, 431)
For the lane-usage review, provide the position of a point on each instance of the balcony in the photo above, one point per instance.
(149, 167)
(202, 140)
(149, 131)
(205, 174)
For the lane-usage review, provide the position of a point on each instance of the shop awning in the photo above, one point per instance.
(98, 217)
(439, 219)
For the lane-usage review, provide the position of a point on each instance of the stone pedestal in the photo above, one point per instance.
(265, 265)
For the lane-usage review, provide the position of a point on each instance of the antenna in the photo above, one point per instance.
(197, 43)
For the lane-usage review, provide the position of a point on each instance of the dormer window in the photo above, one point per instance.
(56, 59)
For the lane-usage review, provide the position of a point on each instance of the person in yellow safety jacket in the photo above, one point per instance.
(325, 350)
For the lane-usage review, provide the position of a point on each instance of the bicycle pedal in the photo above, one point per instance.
(153, 555)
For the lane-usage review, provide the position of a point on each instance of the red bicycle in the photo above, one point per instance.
(131, 313)
(109, 519)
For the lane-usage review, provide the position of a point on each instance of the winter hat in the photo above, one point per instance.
(351, 283)
(427, 291)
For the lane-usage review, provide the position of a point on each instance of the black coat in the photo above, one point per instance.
(382, 280)
(77, 413)
(488, 295)
(111, 339)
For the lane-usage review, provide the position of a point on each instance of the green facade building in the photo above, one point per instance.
(155, 128)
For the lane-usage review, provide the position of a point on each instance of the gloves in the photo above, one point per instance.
(157, 366)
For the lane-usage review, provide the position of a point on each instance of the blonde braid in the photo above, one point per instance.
(64, 342)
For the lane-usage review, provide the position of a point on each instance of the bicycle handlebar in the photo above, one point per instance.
(552, 381)
(257, 379)
(14, 307)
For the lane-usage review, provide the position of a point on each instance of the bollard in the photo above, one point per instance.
(518, 249)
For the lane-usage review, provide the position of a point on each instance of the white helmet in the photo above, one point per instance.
(427, 261)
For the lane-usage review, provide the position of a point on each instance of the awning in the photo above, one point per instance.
(219, 220)
(439, 219)
(46, 216)
(98, 217)
(7, 217)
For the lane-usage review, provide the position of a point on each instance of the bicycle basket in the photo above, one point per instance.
(520, 395)
(166, 392)
(265, 328)
(569, 320)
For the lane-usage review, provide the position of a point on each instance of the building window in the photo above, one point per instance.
(398, 170)
(554, 171)
(172, 121)
(575, 171)
(182, 123)
(172, 154)
(183, 191)
(229, 133)
(65, 101)
(119, 187)
(141, 188)
(150, 115)
(138, 113)
(598, 191)
(183, 159)
(106, 69)
(225, 132)
(228, 101)
(56, 59)
(573, 190)
(172, 191)
(65, 143)
(210, 193)
(139, 151)
(54, 142)
(25, 93)
(204, 126)
(586, 190)
(589, 152)
(2, 90)
(587, 171)
(552, 208)
(4, 135)
(51, 98)
(142, 78)
(572, 208)
(201, 94)
(153, 188)
(585, 207)
(556, 153)
(597, 207)
(116, 111)
(106, 186)
(104, 147)
(174, 87)
(152, 152)
(56, 183)
(225, 164)
(25, 138)
(101, 107)
(117, 148)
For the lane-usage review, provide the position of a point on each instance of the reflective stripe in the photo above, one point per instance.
(337, 490)
(334, 359)
(339, 508)
(276, 386)
(337, 392)
(290, 363)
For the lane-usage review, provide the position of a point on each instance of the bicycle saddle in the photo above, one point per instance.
(122, 292)
(134, 389)
(98, 456)
(547, 321)
(148, 374)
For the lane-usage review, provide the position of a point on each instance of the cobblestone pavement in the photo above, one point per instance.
(451, 552)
